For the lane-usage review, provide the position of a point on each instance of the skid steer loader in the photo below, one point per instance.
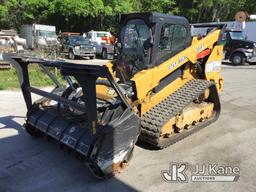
(162, 87)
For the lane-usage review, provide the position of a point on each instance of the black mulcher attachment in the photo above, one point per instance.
(102, 131)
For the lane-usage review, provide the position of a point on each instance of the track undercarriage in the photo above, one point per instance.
(190, 108)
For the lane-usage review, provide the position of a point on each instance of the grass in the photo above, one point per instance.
(9, 79)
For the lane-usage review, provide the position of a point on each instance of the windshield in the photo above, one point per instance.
(135, 37)
(135, 33)
(42, 33)
(237, 35)
(135, 51)
(80, 39)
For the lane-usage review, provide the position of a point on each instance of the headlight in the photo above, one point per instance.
(94, 48)
(77, 47)
(249, 50)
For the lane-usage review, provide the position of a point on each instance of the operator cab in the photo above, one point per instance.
(149, 39)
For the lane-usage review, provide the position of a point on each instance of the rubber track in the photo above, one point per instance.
(153, 120)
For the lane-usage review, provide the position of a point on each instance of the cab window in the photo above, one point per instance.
(172, 41)
(179, 38)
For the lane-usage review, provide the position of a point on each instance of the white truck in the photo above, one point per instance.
(10, 42)
(38, 35)
(101, 40)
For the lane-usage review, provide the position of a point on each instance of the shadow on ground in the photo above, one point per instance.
(29, 164)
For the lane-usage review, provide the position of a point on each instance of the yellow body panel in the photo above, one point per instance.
(154, 99)
(146, 80)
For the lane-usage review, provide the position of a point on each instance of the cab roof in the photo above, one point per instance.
(153, 17)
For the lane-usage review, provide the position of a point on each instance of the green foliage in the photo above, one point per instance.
(83, 15)
(164, 6)
(14, 13)
(214, 10)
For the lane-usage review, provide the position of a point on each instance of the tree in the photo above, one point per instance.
(83, 15)
(14, 13)
(164, 6)
(213, 10)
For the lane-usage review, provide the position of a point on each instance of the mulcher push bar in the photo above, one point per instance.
(85, 74)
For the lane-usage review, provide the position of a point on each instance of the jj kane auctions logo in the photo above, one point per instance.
(201, 173)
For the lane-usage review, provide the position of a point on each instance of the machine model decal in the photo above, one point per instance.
(199, 48)
(174, 64)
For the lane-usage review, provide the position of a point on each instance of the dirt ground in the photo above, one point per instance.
(28, 164)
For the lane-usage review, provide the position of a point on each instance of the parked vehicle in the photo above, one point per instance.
(237, 48)
(10, 42)
(103, 41)
(77, 46)
(39, 36)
